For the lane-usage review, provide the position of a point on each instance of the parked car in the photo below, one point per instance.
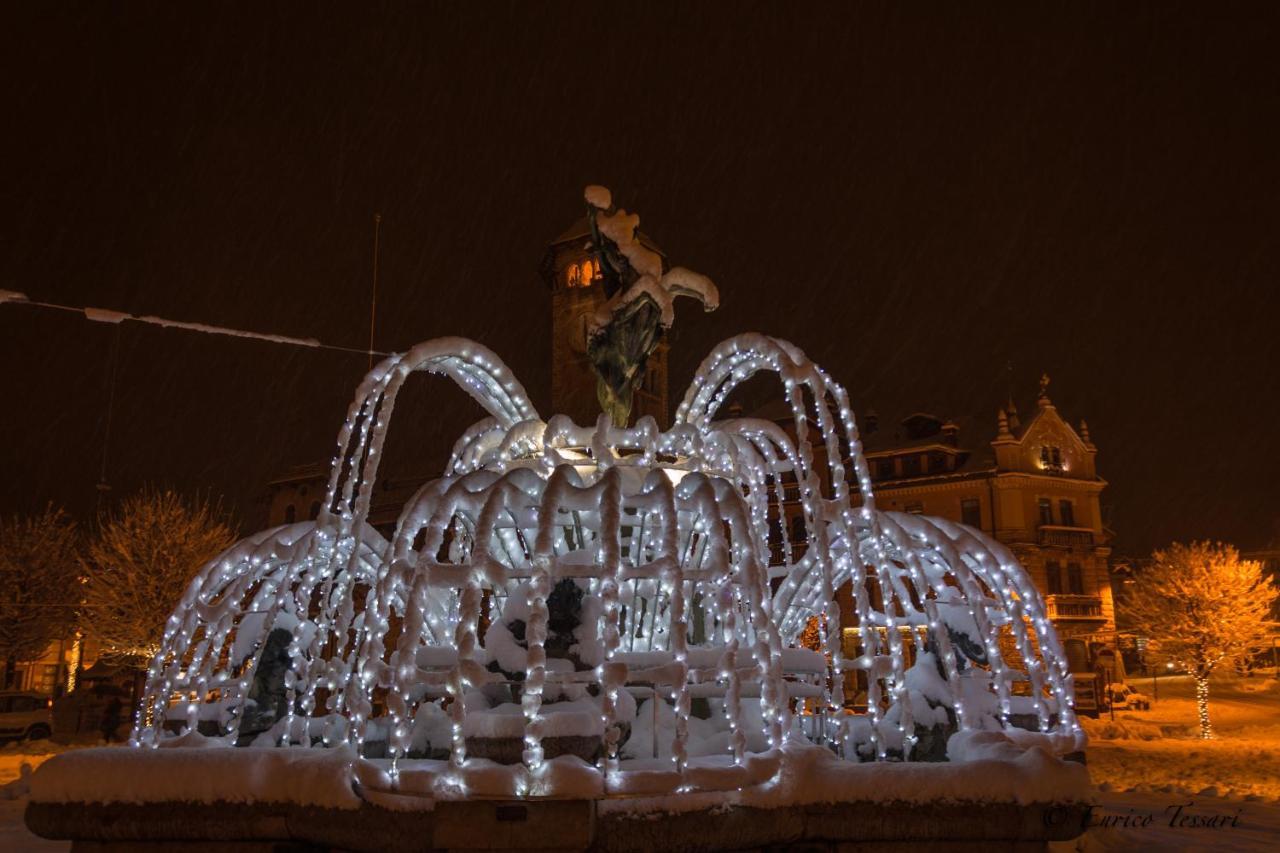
(1124, 697)
(25, 716)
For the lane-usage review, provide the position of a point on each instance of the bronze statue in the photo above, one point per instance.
(638, 310)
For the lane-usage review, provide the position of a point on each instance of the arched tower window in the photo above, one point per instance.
(582, 274)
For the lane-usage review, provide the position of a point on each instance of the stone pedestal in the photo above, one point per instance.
(555, 825)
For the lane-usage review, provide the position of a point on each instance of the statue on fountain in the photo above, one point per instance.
(628, 327)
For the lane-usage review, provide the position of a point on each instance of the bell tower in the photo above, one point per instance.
(572, 274)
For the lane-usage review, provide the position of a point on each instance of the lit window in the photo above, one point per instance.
(1051, 458)
(582, 274)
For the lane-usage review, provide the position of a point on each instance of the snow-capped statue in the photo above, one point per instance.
(629, 325)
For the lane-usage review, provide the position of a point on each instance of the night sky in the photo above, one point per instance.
(916, 199)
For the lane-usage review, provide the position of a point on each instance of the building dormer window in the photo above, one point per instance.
(582, 274)
(1050, 458)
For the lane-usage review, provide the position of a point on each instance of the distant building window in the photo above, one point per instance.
(46, 678)
(915, 509)
(315, 510)
(1053, 577)
(290, 514)
(798, 531)
(1046, 511)
(1067, 512)
(911, 466)
(1075, 579)
(937, 462)
(1050, 458)
(582, 274)
(884, 469)
(971, 512)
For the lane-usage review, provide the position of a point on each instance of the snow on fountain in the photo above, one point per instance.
(661, 539)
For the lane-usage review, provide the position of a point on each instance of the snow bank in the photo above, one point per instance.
(810, 774)
(580, 718)
(309, 777)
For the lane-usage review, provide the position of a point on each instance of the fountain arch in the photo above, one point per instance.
(661, 540)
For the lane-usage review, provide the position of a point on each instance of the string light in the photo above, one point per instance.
(666, 532)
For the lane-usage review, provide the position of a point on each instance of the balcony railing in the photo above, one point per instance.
(1056, 535)
(1074, 607)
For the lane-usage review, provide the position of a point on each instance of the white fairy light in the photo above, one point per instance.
(677, 528)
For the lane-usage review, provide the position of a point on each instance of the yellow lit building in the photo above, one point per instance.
(1032, 485)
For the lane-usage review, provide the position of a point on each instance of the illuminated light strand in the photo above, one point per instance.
(523, 501)
(104, 315)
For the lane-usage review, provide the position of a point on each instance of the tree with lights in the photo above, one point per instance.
(141, 561)
(39, 584)
(1204, 606)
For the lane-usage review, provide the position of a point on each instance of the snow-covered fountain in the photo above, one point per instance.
(662, 540)
(600, 613)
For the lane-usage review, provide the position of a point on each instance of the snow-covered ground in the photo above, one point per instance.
(14, 837)
(1145, 765)
(1151, 762)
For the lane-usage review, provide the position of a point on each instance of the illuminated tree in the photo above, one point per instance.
(39, 584)
(1204, 606)
(141, 561)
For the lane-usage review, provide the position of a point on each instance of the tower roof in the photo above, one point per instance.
(581, 230)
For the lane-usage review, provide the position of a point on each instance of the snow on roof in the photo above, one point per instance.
(581, 230)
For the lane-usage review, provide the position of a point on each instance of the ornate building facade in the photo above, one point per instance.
(1033, 485)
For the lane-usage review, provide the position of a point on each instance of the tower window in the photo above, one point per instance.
(582, 274)
(1051, 458)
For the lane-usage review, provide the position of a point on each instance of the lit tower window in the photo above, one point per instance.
(582, 274)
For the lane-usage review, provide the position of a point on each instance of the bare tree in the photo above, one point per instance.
(1204, 606)
(39, 584)
(141, 561)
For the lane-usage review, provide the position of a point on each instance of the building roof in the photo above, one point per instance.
(581, 230)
